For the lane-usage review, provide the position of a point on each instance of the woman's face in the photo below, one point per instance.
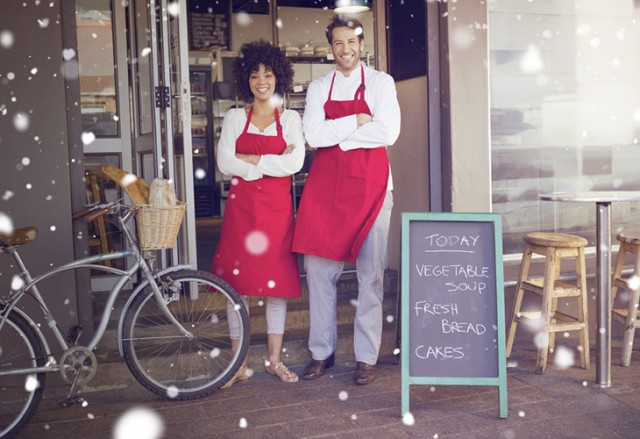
(262, 83)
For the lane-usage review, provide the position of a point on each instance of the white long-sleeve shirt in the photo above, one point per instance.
(380, 95)
(274, 165)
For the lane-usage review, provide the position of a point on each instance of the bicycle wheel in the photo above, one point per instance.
(165, 361)
(20, 347)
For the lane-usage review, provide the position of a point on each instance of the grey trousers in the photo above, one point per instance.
(322, 276)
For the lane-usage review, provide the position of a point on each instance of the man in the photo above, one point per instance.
(351, 116)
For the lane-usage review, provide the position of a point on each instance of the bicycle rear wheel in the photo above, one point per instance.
(168, 363)
(20, 348)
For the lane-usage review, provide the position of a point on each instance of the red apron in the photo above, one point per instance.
(254, 252)
(343, 193)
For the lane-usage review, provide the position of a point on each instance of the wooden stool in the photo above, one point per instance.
(555, 247)
(629, 316)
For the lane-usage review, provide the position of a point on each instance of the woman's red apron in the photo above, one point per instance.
(254, 252)
(343, 193)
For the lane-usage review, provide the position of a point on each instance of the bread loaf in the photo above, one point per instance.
(161, 193)
(135, 187)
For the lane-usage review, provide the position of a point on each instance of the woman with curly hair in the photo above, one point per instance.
(260, 146)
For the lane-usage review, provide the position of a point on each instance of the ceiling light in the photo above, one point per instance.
(351, 6)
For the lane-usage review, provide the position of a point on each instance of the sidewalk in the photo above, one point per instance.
(562, 403)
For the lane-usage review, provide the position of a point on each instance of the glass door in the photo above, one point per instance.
(104, 104)
(162, 104)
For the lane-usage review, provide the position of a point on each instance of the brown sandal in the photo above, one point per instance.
(243, 374)
(278, 369)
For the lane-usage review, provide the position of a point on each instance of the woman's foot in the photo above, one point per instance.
(243, 374)
(278, 369)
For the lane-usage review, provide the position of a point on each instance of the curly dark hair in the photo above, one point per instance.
(249, 59)
(343, 21)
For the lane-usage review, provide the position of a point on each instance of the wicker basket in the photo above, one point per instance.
(158, 226)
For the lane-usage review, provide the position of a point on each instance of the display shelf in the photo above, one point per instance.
(206, 196)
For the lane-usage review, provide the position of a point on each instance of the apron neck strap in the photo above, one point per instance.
(246, 125)
(276, 116)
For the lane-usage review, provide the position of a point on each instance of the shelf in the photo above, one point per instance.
(310, 59)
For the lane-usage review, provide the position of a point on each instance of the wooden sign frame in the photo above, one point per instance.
(500, 378)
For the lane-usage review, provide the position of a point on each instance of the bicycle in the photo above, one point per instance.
(173, 331)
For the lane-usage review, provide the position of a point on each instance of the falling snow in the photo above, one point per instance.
(31, 383)
(139, 423)
(564, 357)
(408, 419)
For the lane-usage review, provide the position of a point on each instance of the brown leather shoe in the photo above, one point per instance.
(364, 374)
(315, 368)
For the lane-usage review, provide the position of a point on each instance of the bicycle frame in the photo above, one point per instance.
(91, 262)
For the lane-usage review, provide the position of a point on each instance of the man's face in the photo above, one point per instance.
(346, 48)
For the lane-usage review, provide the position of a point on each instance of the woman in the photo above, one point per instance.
(261, 147)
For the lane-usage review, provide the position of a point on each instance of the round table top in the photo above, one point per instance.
(592, 196)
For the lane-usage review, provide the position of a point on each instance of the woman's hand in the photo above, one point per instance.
(254, 159)
(289, 149)
(363, 118)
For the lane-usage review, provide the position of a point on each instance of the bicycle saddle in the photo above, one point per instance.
(19, 237)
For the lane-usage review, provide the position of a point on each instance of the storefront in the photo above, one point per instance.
(517, 98)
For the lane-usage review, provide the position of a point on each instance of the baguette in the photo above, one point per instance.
(134, 186)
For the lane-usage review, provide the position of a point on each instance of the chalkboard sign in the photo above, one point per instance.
(452, 302)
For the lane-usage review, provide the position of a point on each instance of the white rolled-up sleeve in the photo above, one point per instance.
(275, 165)
(318, 130)
(228, 163)
(384, 129)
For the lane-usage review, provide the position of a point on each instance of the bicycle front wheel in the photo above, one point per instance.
(20, 349)
(169, 363)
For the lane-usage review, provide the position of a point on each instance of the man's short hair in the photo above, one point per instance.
(344, 21)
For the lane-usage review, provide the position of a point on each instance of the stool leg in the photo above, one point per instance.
(583, 312)
(617, 271)
(517, 303)
(550, 270)
(632, 312)
(554, 308)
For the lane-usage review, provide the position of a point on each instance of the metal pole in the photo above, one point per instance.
(603, 288)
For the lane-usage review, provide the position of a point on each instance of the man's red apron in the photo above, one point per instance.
(254, 253)
(343, 193)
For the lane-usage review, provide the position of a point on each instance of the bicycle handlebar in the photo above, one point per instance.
(95, 211)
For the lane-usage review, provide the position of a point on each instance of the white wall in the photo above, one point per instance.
(469, 88)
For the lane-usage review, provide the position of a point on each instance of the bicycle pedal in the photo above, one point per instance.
(72, 402)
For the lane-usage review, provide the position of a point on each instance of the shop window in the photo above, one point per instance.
(105, 234)
(96, 63)
(565, 87)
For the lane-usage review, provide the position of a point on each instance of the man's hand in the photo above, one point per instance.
(363, 118)
(249, 158)
(289, 149)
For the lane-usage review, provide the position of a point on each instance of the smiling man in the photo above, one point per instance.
(351, 116)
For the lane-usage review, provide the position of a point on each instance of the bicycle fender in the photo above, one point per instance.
(137, 290)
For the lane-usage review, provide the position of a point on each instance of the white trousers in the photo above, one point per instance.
(322, 276)
(276, 314)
